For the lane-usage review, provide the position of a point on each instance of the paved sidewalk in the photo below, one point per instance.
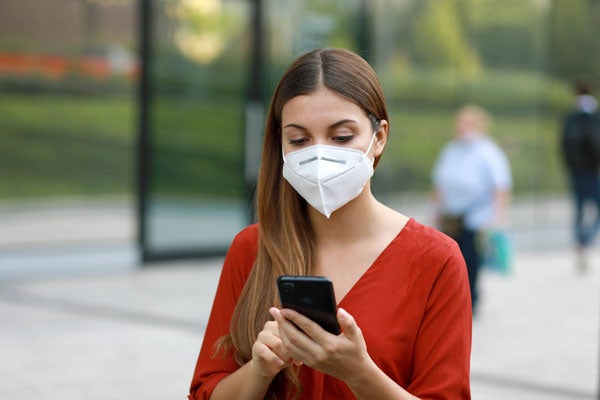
(135, 333)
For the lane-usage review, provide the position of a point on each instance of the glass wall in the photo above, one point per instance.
(212, 68)
(432, 57)
(435, 56)
(68, 73)
(196, 197)
(67, 78)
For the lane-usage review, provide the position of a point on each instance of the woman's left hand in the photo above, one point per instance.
(343, 356)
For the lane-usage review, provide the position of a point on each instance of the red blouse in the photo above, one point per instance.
(412, 305)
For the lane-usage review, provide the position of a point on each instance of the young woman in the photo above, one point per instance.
(401, 287)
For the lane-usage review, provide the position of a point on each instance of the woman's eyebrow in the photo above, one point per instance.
(342, 122)
(292, 125)
(332, 126)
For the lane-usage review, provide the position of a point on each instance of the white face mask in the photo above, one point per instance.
(328, 177)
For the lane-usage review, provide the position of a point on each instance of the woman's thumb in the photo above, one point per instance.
(347, 322)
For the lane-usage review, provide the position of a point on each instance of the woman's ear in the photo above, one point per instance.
(380, 138)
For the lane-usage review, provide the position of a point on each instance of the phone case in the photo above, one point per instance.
(311, 296)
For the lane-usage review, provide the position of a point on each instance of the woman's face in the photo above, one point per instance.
(464, 124)
(324, 117)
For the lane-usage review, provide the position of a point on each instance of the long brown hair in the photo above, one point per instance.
(285, 240)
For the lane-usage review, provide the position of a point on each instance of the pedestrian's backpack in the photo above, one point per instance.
(581, 141)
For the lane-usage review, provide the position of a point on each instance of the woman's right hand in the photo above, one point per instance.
(268, 356)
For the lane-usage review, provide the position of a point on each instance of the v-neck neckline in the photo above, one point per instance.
(373, 265)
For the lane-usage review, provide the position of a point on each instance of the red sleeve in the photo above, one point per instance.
(443, 345)
(210, 369)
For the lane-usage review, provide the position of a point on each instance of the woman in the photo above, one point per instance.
(401, 287)
(469, 203)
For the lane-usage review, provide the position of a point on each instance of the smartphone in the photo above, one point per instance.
(311, 296)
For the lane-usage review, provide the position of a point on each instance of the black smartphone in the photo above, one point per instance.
(311, 296)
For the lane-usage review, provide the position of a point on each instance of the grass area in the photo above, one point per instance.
(53, 145)
(199, 147)
(416, 138)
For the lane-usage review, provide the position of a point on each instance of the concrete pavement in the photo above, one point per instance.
(132, 332)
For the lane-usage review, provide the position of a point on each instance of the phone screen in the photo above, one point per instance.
(311, 296)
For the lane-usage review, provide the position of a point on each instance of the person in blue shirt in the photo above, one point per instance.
(472, 183)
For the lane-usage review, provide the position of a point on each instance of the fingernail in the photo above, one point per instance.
(343, 313)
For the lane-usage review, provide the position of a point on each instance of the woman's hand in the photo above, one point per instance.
(268, 354)
(344, 356)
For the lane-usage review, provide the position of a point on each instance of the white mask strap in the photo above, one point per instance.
(370, 145)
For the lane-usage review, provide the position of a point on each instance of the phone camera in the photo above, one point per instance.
(288, 287)
(307, 301)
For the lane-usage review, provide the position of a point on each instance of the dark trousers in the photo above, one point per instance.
(467, 241)
(586, 190)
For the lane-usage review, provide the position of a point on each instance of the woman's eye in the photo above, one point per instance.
(298, 141)
(343, 138)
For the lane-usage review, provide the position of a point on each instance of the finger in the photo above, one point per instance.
(272, 327)
(348, 324)
(274, 343)
(294, 341)
(263, 354)
(285, 326)
(274, 311)
(303, 323)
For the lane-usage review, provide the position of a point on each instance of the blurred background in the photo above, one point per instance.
(131, 133)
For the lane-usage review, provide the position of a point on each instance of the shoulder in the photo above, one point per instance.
(447, 156)
(425, 241)
(490, 150)
(436, 254)
(431, 263)
(450, 148)
(489, 144)
(247, 238)
(242, 252)
(420, 231)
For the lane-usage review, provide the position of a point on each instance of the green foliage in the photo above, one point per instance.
(497, 26)
(440, 39)
(78, 136)
(77, 145)
(198, 148)
(54, 145)
(574, 48)
(510, 92)
(417, 137)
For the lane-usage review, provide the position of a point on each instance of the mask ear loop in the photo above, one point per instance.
(369, 148)
(375, 124)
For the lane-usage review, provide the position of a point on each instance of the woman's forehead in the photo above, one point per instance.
(323, 104)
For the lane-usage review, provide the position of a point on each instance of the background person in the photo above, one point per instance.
(401, 287)
(580, 147)
(472, 183)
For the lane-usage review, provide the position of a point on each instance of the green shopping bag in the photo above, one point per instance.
(498, 252)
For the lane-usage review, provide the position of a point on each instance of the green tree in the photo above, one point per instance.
(439, 40)
(499, 25)
(574, 47)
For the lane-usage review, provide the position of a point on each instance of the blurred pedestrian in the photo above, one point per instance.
(402, 287)
(580, 147)
(471, 188)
